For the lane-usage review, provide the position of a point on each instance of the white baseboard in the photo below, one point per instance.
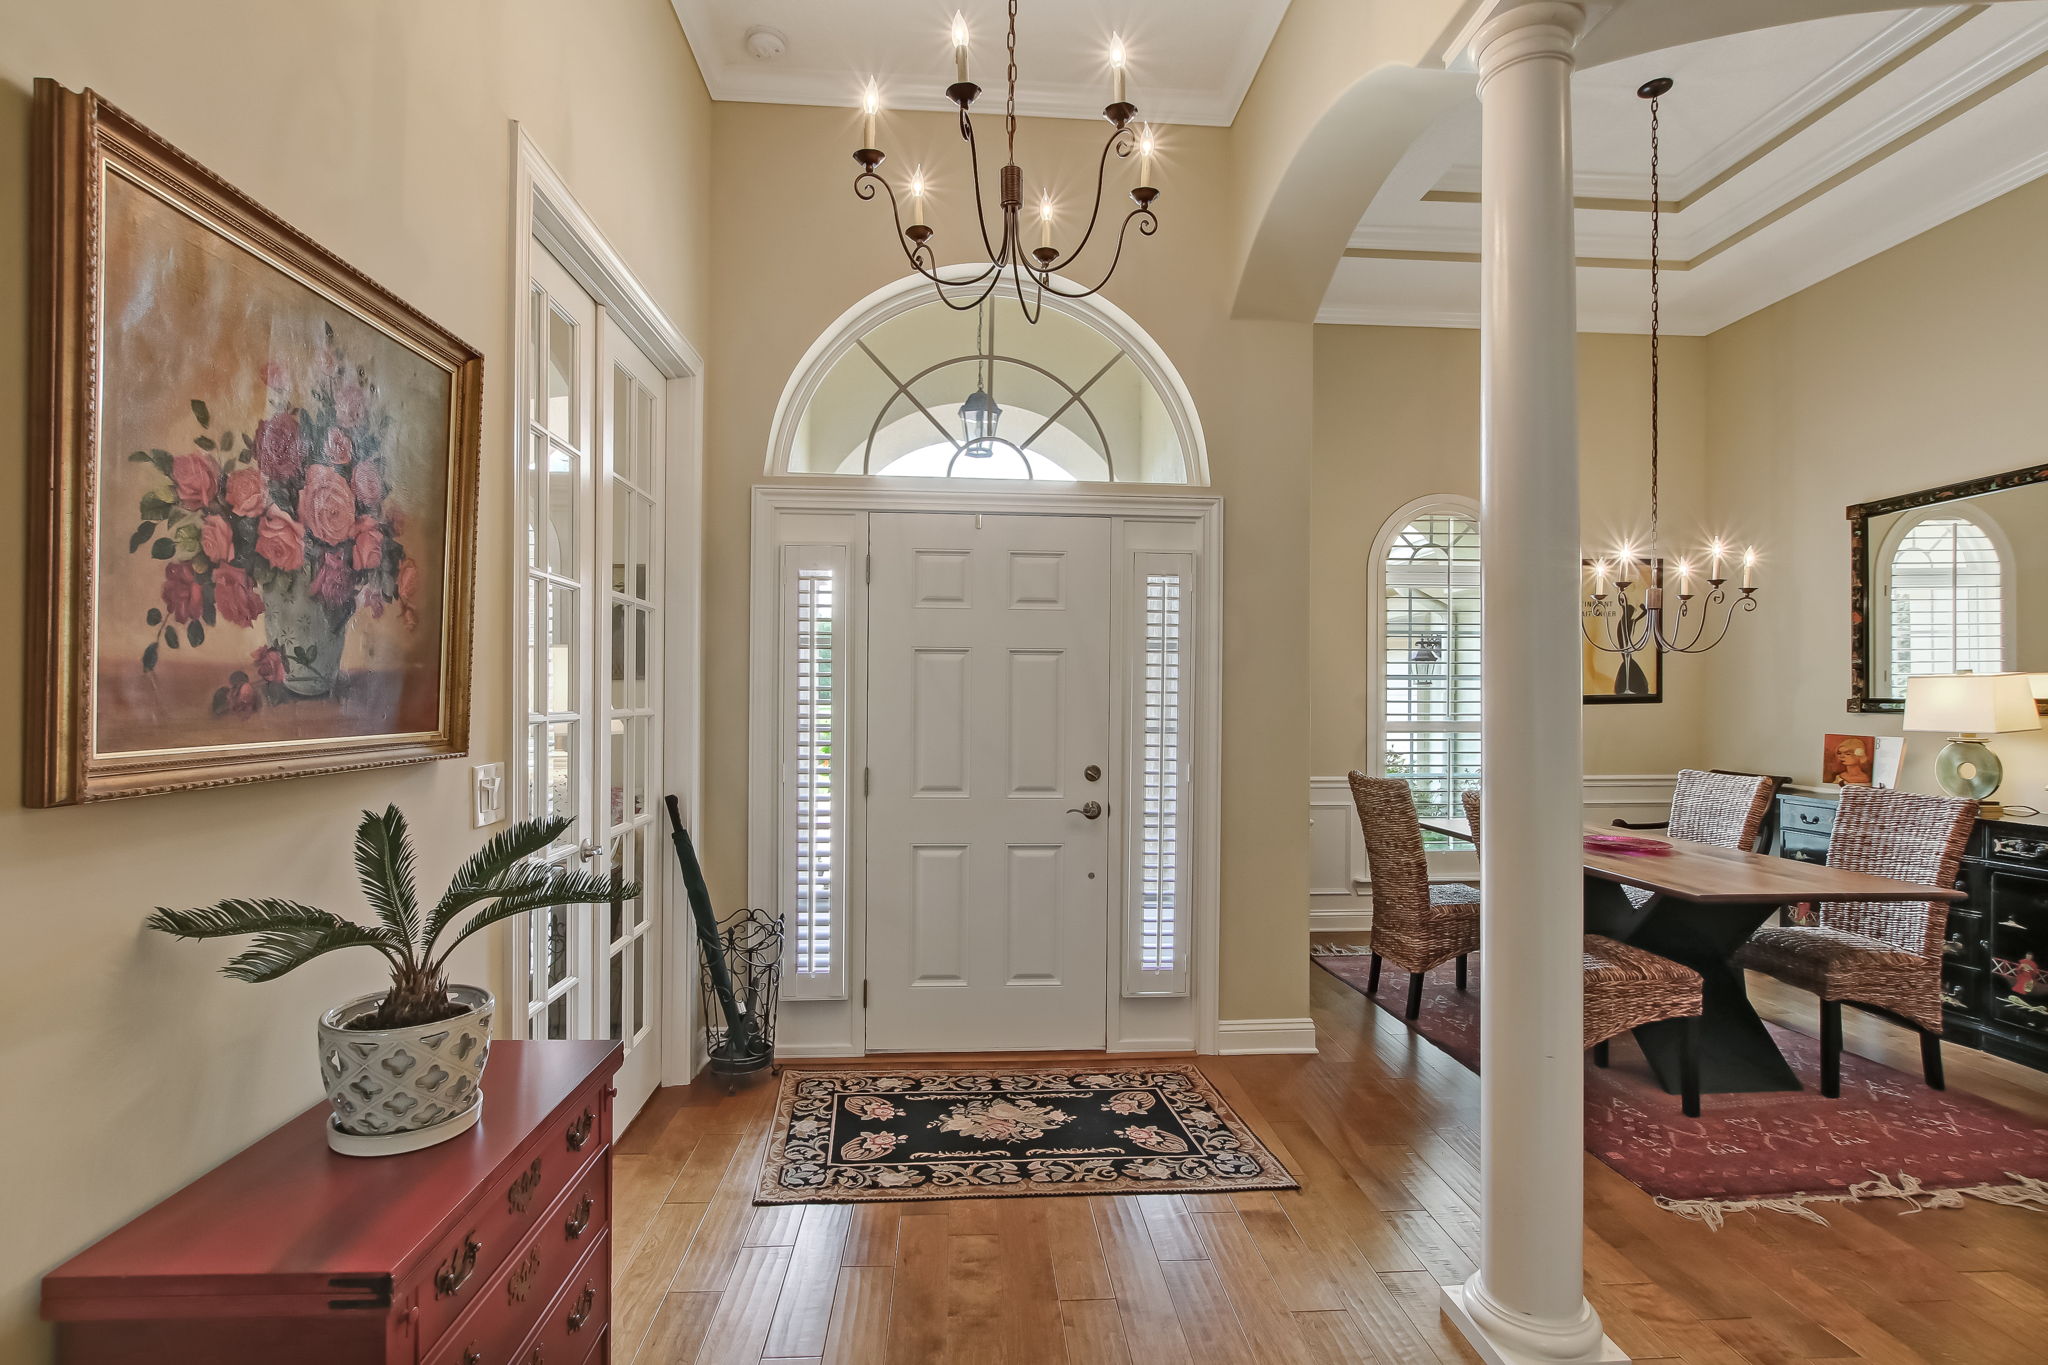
(1253, 1037)
(817, 1050)
(1346, 919)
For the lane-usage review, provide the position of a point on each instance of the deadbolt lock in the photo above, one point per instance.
(1093, 772)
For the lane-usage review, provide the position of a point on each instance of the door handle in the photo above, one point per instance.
(1090, 810)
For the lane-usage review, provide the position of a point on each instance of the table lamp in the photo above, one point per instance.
(1969, 706)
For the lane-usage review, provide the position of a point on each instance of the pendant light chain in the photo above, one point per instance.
(1656, 304)
(1010, 106)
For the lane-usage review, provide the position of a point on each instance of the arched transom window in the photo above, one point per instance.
(904, 386)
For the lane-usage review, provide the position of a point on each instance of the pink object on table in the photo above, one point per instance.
(1626, 843)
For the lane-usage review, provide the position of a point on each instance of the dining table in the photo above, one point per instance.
(1702, 903)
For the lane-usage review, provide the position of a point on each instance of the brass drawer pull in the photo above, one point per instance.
(584, 1303)
(450, 1278)
(580, 1130)
(521, 1192)
(579, 1220)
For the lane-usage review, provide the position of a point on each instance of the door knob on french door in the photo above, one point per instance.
(1090, 810)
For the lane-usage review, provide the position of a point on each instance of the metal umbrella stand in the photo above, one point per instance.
(742, 971)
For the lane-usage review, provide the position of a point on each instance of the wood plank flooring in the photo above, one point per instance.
(1380, 1130)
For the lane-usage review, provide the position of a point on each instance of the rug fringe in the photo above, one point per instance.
(2023, 1192)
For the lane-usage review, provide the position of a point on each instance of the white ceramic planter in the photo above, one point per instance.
(398, 1090)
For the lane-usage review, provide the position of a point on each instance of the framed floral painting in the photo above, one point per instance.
(255, 546)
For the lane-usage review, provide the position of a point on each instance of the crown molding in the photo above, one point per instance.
(1880, 234)
(1895, 130)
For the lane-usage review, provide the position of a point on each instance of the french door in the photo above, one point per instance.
(593, 478)
(988, 819)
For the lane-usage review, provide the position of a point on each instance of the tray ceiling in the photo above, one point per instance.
(1789, 155)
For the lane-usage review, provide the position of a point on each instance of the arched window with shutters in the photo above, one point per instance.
(1945, 601)
(1424, 723)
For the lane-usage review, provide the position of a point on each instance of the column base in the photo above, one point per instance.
(1525, 1348)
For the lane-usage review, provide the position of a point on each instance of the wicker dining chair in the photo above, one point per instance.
(1882, 956)
(1469, 799)
(1628, 987)
(1723, 809)
(1415, 925)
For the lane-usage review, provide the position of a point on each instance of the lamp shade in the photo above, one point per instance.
(1971, 703)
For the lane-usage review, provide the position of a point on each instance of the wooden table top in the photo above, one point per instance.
(1709, 875)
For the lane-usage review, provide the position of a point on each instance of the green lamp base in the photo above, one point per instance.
(1966, 767)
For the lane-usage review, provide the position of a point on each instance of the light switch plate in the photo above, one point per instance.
(487, 793)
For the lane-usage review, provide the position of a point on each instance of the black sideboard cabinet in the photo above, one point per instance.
(1994, 976)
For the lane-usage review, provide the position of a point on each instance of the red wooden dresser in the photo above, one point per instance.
(493, 1248)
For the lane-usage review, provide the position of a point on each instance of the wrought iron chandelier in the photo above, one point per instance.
(1613, 621)
(1032, 273)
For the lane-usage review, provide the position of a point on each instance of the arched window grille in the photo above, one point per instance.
(903, 387)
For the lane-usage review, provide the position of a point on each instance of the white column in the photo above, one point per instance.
(1526, 1304)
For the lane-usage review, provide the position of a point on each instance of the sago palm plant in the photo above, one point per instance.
(496, 883)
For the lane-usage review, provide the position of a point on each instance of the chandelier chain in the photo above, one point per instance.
(1656, 302)
(1010, 106)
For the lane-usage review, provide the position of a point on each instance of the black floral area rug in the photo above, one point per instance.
(847, 1136)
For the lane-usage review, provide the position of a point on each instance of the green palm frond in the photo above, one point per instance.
(384, 862)
(480, 878)
(288, 934)
(556, 886)
(278, 951)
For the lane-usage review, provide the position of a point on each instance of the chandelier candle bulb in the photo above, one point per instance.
(870, 108)
(959, 47)
(1117, 58)
(1148, 142)
(917, 196)
(1045, 222)
(1749, 569)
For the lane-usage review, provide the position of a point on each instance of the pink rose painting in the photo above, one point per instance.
(277, 471)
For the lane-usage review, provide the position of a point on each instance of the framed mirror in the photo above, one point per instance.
(1948, 580)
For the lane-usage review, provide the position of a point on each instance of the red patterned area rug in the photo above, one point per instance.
(1140, 1128)
(1888, 1136)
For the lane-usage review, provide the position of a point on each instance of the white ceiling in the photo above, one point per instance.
(1793, 152)
(1190, 60)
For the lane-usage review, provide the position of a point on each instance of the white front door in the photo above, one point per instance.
(988, 709)
(594, 459)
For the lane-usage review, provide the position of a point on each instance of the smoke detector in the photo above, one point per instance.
(765, 44)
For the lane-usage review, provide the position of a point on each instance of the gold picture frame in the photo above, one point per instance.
(253, 522)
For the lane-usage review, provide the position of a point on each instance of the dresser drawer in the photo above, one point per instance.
(1806, 814)
(560, 1154)
(575, 1322)
(1801, 846)
(508, 1305)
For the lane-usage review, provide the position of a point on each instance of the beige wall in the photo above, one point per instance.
(1918, 367)
(1396, 419)
(382, 129)
(796, 249)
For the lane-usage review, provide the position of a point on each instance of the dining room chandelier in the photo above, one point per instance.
(1036, 272)
(1629, 607)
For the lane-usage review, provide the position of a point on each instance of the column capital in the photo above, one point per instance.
(1505, 32)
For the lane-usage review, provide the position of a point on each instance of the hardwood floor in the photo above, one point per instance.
(1379, 1129)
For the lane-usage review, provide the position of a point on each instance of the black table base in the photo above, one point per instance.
(1737, 1054)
